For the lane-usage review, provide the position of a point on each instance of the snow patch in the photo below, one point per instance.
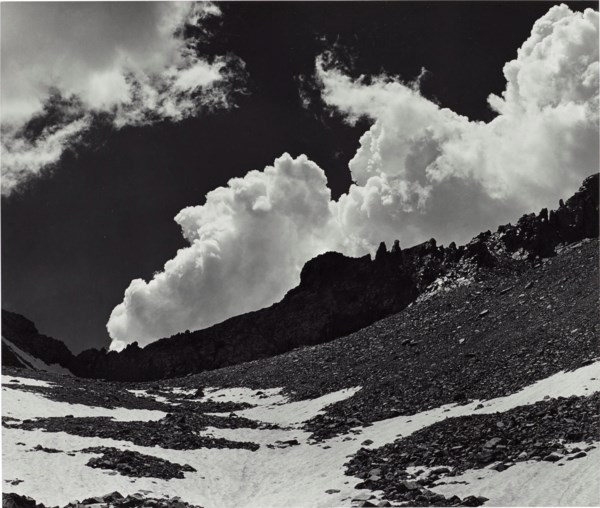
(563, 483)
(26, 359)
(24, 405)
(293, 475)
(293, 413)
(265, 397)
(157, 398)
(444, 284)
(580, 382)
(17, 380)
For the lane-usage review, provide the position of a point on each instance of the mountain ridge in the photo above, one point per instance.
(337, 295)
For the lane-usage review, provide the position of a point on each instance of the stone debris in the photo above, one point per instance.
(134, 464)
(180, 432)
(538, 431)
(112, 500)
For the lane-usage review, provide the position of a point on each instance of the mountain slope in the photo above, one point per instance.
(478, 341)
(338, 295)
(24, 346)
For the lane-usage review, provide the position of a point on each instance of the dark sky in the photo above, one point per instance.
(73, 241)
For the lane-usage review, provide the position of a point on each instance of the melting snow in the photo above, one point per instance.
(157, 398)
(292, 475)
(24, 405)
(564, 483)
(255, 397)
(295, 412)
(25, 381)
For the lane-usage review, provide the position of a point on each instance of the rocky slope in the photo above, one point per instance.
(486, 339)
(337, 295)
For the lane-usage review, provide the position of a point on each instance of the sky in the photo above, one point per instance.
(166, 166)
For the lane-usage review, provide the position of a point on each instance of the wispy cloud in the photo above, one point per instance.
(130, 62)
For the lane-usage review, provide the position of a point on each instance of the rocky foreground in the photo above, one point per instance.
(114, 499)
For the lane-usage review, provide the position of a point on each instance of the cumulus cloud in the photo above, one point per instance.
(420, 171)
(248, 243)
(128, 61)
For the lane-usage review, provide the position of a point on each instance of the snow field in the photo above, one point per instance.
(286, 476)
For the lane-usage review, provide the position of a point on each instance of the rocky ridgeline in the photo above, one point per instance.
(113, 500)
(338, 295)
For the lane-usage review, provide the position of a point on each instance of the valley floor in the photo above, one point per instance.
(288, 468)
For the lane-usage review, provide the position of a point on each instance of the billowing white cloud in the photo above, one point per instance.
(128, 60)
(420, 171)
(248, 243)
(423, 171)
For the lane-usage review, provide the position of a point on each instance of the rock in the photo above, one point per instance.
(285, 444)
(473, 501)
(492, 443)
(93, 500)
(552, 457)
(406, 486)
(16, 501)
(366, 442)
(40, 448)
(578, 455)
(113, 496)
(331, 491)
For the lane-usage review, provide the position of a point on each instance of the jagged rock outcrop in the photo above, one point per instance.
(338, 295)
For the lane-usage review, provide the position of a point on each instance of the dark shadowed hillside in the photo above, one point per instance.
(20, 332)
